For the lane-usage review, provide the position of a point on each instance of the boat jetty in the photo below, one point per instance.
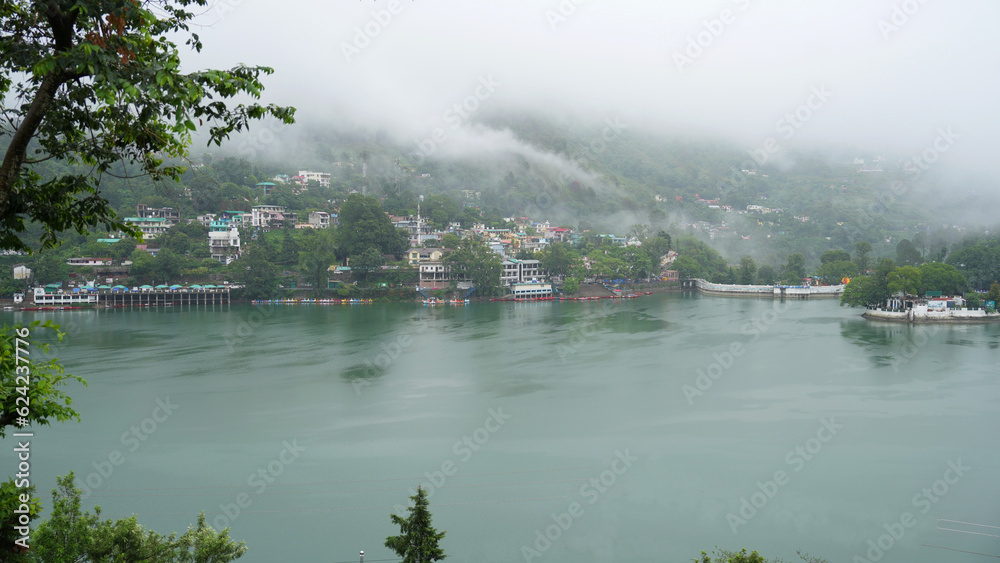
(52, 298)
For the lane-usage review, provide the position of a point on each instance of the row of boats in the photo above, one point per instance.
(312, 301)
(594, 298)
(436, 301)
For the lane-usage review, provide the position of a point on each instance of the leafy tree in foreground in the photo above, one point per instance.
(417, 541)
(40, 388)
(73, 535)
(98, 83)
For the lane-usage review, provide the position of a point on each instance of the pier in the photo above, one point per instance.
(136, 297)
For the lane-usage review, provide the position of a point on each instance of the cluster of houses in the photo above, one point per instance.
(426, 256)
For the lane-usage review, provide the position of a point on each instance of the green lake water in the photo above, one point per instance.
(643, 430)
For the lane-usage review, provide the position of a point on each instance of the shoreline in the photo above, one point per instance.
(947, 317)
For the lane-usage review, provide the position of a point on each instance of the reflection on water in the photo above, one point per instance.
(384, 397)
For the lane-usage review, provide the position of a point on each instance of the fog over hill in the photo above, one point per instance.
(632, 99)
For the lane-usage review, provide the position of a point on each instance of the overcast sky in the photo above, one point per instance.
(877, 73)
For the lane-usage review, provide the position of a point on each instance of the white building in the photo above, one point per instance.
(521, 271)
(319, 219)
(321, 178)
(224, 245)
(269, 217)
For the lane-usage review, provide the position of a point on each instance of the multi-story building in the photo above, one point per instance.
(417, 256)
(150, 227)
(224, 244)
(173, 216)
(319, 219)
(321, 178)
(267, 217)
(437, 274)
(520, 271)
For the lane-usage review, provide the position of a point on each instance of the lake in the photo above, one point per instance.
(637, 430)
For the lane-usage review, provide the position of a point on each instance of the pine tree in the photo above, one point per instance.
(417, 541)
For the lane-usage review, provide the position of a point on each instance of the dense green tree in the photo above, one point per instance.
(906, 279)
(907, 253)
(862, 249)
(869, 291)
(479, 263)
(450, 240)
(945, 278)
(290, 248)
(994, 293)
(766, 275)
(571, 286)
(834, 256)
(558, 259)
(687, 268)
(316, 257)
(122, 250)
(167, 265)
(748, 270)
(724, 556)
(832, 273)
(49, 267)
(257, 275)
(656, 247)
(710, 263)
(417, 541)
(70, 534)
(364, 224)
(367, 263)
(98, 83)
(637, 262)
(794, 269)
(978, 260)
